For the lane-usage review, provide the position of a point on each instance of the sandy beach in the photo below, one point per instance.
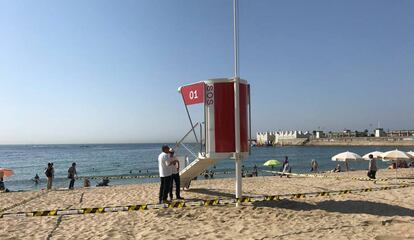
(387, 214)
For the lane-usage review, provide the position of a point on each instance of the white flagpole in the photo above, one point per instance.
(237, 155)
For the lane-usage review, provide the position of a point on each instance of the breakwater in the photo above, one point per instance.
(361, 141)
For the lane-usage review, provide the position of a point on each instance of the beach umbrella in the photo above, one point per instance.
(272, 163)
(5, 172)
(396, 155)
(345, 157)
(375, 154)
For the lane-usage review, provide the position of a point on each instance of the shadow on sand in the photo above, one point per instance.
(348, 206)
(211, 192)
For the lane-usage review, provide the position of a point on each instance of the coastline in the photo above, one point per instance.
(349, 141)
(361, 143)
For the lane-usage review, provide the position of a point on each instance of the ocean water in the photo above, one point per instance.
(141, 159)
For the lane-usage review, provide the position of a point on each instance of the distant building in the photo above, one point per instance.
(281, 137)
(288, 135)
(265, 138)
(400, 133)
(318, 134)
(379, 132)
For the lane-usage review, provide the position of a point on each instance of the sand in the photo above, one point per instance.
(385, 214)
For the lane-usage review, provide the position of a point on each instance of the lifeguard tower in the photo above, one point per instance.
(218, 99)
(226, 103)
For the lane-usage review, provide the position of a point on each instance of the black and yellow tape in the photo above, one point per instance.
(137, 176)
(120, 177)
(300, 174)
(201, 203)
(137, 207)
(370, 179)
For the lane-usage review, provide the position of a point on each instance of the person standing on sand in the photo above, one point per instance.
(71, 175)
(164, 167)
(286, 168)
(2, 186)
(175, 176)
(254, 172)
(372, 167)
(314, 166)
(50, 173)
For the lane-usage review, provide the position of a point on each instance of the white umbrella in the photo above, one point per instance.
(396, 155)
(411, 153)
(345, 157)
(375, 154)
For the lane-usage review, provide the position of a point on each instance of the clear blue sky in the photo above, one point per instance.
(108, 71)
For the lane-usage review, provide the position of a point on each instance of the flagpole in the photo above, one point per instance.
(237, 155)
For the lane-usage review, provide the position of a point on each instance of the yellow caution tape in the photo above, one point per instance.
(370, 179)
(207, 202)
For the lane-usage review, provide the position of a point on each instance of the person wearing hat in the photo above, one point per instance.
(175, 168)
(165, 171)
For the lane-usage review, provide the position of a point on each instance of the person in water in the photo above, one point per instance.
(36, 179)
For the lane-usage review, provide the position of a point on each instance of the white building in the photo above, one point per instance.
(290, 135)
(379, 132)
(319, 134)
(265, 138)
(281, 137)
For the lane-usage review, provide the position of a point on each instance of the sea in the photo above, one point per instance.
(141, 160)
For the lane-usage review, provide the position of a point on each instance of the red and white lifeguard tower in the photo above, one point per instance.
(218, 99)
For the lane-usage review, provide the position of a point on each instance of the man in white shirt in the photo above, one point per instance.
(164, 166)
